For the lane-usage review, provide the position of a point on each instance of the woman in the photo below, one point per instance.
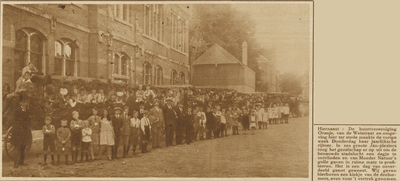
(106, 134)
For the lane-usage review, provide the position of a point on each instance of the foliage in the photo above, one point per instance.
(291, 83)
(225, 25)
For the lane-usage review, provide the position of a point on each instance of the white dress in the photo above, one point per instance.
(106, 133)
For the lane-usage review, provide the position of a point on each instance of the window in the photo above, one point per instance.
(121, 11)
(116, 64)
(153, 21)
(147, 73)
(178, 31)
(159, 75)
(121, 64)
(174, 77)
(65, 58)
(124, 65)
(182, 77)
(29, 47)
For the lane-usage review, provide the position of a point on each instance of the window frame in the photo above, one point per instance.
(27, 51)
(74, 56)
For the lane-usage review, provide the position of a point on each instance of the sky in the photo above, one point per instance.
(286, 27)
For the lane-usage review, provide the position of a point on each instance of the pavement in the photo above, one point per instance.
(282, 150)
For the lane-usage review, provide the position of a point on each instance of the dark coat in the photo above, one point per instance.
(21, 132)
(117, 124)
(180, 120)
(210, 120)
(169, 116)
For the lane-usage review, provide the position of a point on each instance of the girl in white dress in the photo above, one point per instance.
(106, 134)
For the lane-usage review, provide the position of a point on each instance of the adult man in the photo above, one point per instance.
(21, 131)
(156, 117)
(189, 123)
(179, 123)
(170, 117)
(125, 130)
(117, 121)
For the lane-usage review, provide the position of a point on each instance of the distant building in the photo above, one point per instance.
(218, 68)
(132, 43)
(268, 76)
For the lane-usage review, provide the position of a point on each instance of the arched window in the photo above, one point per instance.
(124, 65)
(121, 64)
(29, 47)
(147, 73)
(159, 76)
(65, 58)
(174, 76)
(182, 78)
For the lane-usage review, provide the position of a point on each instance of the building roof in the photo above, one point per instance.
(217, 55)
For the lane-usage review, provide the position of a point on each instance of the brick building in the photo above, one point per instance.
(132, 43)
(267, 76)
(220, 69)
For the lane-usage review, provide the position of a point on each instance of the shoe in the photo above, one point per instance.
(109, 159)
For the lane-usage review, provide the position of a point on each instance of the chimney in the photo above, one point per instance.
(244, 53)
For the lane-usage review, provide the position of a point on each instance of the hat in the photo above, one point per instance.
(120, 94)
(117, 108)
(145, 112)
(169, 99)
(180, 103)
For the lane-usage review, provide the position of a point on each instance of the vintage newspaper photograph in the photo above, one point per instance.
(157, 89)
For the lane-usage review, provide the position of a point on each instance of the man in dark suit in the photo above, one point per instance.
(21, 133)
(170, 117)
(117, 120)
(179, 123)
(189, 124)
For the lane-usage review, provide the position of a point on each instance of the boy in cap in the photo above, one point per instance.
(145, 126)
(134, 132)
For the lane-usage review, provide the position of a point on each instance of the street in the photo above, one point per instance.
(282, 150)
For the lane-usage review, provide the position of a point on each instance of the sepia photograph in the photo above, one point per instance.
(157, 89)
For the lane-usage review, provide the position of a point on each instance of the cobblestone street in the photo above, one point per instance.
(280, 151)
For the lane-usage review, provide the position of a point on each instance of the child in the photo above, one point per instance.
(265, 117)
(94, 122)
(145, 125)
(82, 97)
(270, 114)
(134, 132)
(223, 123)
(245, 121)
(76, 126)
(101, 97)
(86, 140)
(48, 141)
(286, 113)
(253, 121)
(63, 142)
(106, 134)
(92, 97)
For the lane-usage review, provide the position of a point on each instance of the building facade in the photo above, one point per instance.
(219, 69)
(267, 76)
(131, 43)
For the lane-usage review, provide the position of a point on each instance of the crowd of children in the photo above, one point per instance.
(128, 121)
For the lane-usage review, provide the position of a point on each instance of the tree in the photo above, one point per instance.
(225, 25)
(291, 83)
